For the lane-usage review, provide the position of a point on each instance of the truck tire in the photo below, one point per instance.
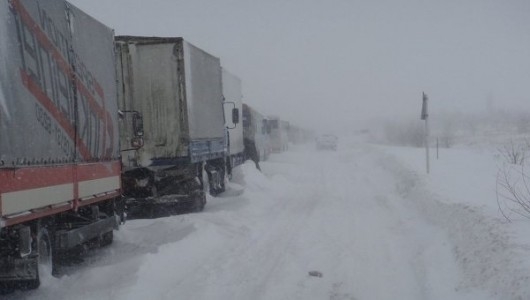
(228, 166)
(196, 188)
(45, 263)
(108, 237)
(224, 178)
(199, 202)
(204, 179)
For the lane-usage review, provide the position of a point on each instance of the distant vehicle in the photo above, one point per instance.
(298, 135)
(278, 134)
(256, 133)
(327, 142)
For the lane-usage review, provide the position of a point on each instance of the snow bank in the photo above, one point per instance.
(460, 195)
(462, 175)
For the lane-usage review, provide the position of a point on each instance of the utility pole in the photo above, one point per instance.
(425, 116)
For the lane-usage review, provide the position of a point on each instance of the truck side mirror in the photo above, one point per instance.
(235, 116)
(137, 139)
(138, 125)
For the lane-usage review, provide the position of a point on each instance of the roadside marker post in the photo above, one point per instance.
(437, 149)
(425, 116)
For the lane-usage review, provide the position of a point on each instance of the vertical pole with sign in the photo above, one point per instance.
(425, 116)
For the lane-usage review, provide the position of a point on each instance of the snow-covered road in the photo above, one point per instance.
(367, 223)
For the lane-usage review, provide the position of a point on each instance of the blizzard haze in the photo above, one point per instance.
(343, 62)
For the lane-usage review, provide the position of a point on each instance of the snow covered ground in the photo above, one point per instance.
(366, 217)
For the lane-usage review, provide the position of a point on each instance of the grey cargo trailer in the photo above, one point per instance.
(171, 100)
(59, 155)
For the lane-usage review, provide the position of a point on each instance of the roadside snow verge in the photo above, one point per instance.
(483, 246)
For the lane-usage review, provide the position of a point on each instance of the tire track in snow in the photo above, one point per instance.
(250, 265)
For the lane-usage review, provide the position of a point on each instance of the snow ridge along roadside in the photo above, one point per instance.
(489, 259)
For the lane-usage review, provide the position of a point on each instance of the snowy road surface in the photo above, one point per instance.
(370, 225)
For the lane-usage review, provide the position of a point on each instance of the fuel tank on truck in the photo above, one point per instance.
(176, 88)
(58, 109)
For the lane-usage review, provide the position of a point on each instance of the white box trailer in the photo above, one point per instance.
(171, 99)
(278, 134)
(177, 89)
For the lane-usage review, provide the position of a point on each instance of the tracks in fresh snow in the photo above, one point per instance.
(354, 215)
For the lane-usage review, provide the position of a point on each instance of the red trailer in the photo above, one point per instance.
(59, 154)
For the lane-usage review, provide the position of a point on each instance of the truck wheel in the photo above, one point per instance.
(203, 178)
(44, 266)
(229, 164)
(224, 178)
(199, 201)
(106, 238)
(121, 210)
(195, 188)
(6, 288)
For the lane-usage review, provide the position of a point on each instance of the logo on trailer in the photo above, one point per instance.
(67, 93)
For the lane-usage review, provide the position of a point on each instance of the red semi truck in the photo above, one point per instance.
(59, 156)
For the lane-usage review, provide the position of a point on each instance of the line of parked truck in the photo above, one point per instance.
(95, 127)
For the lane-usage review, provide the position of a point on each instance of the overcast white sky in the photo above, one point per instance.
(331, 63)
